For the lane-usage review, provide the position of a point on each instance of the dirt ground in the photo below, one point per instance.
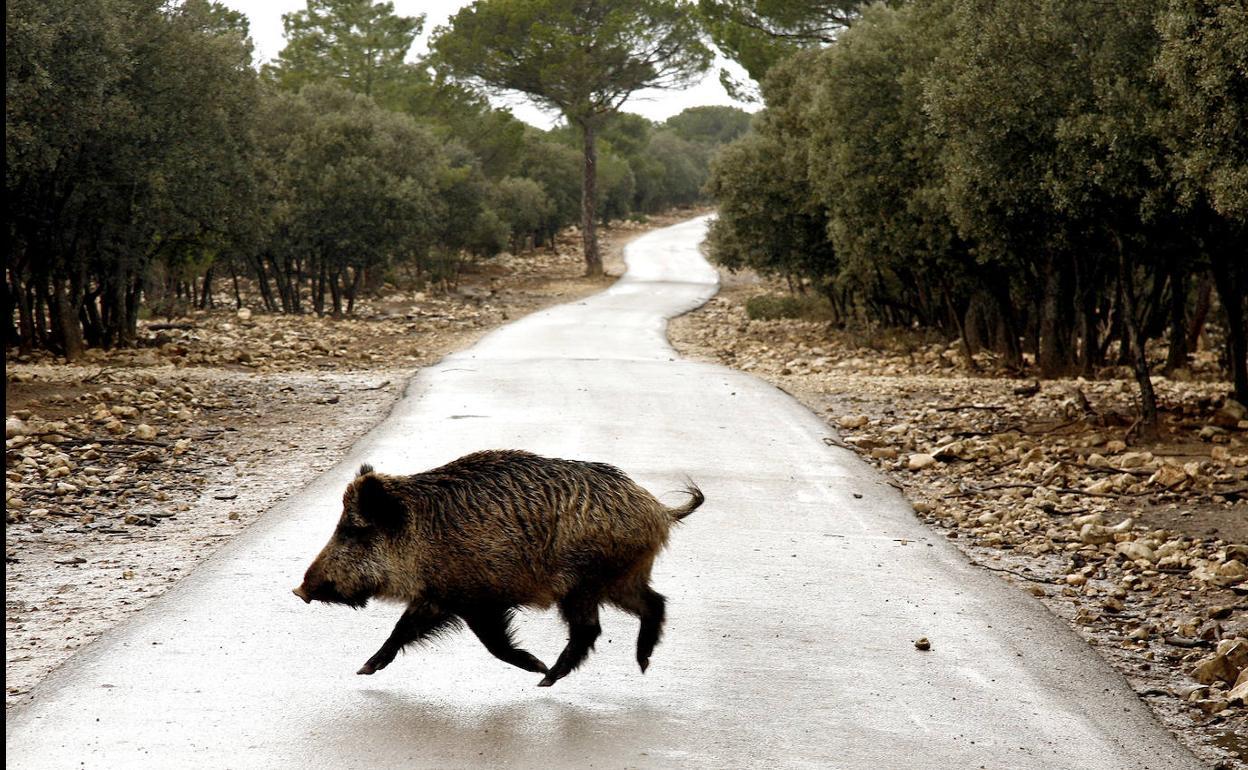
(127, 469)
(1140, 546)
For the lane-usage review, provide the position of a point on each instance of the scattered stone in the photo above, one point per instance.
(923, 644)
(920, 461)
(1224, 665)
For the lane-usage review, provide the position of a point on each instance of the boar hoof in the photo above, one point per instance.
(644, 663)
(547, 682)
(370, 668)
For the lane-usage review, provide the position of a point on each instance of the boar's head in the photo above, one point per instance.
(353, 565)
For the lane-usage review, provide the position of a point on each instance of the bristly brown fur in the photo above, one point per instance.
(492, 531)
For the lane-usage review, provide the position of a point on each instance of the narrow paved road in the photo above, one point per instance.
(794, 594)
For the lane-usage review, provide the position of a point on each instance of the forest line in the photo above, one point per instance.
(1056, 182)
(148, 162)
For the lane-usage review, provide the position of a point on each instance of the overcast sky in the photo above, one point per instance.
(266, 32)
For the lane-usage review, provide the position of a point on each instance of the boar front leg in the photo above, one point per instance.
(419, 620)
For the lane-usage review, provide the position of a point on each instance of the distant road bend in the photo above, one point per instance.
(792, 603)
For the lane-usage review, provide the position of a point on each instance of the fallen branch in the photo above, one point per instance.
(986, 407)
(115, 441)
(1060, 490)
(1007, 571)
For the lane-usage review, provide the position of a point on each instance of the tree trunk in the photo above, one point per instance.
(65, 315)
(318, 294)
(134, 300)
(355, 287)
(25, 319)
(1230, 279)
(205, 297)
(1176, 356)
(335, 292)
(1204, 293)
(1050, 350)
(1007, 325)
(238, 293)
(1135, 337)
(589, 202)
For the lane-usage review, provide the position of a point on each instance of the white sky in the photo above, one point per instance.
(266, 33)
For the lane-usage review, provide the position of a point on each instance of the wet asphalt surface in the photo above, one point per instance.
(794, 596)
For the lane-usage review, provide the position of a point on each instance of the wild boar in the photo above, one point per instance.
(477, 538)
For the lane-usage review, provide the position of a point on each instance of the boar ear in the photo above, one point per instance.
(365, 469)
(377, 505)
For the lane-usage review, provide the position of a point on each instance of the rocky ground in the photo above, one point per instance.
(1141, 547)
(125, 470)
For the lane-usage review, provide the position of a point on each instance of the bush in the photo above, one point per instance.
(769, 307)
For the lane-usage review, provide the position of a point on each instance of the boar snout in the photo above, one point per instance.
(302, 594)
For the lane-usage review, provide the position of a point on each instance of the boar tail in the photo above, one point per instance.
(696, 498)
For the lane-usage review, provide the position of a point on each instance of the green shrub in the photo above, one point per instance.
(769, 307)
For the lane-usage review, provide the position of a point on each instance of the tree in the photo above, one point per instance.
(524, 207)
(874, 162)
(769, 219)
(757, 34)
(358, 44)
(356, 186)
(710, 124)
(128, 144)
(1203, 63)
(584, 58)
(557, 169)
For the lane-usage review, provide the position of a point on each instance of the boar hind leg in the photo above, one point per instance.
(417, 622)
(651, 608)
(493, 628)
(580, 610)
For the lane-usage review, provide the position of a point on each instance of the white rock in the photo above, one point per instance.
(1168, 476)
(1135, 459)
(1103, 486)
(144, 432)
(1231, 572)
(1135, 551)
(920, 461)
(14, 427)
(1095, 534)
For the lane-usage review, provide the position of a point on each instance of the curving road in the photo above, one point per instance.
(794, 594)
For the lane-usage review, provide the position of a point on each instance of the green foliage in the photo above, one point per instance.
(524, 207)
(615, 188)
(1204, 64)
(128, 141)
(556, 168)
(769, 307)
(583, 58)
(769, 219)
(358, 44)
(758, 34)
(1036, 176)
(873, 160)
(709, 125)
